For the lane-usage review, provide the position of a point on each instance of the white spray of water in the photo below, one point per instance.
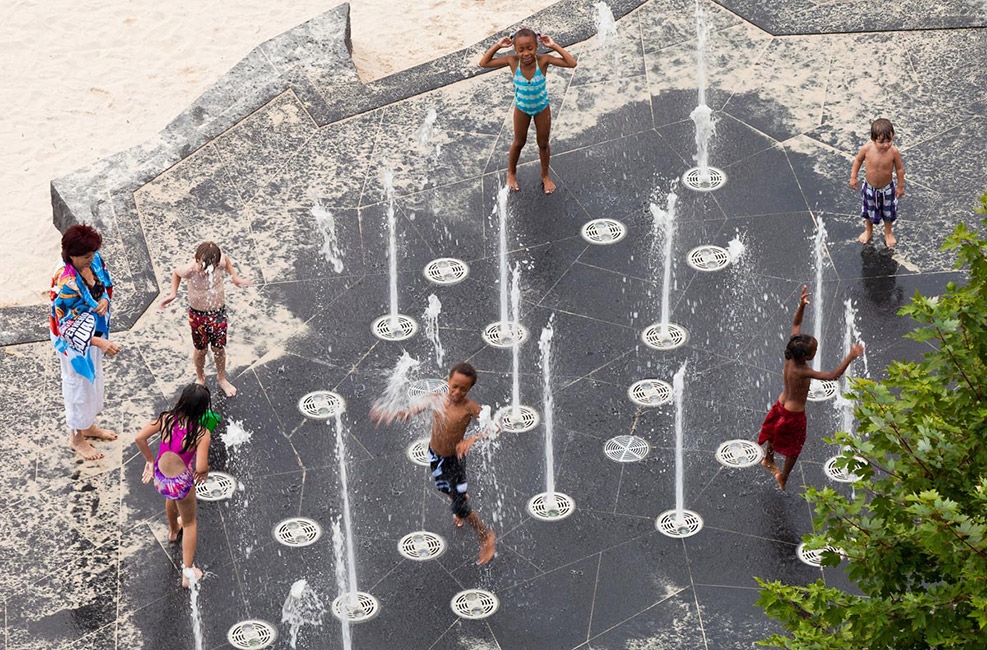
(326, 225)
(678, 388)
(663, 230)
(735, 249)
(851, 335)
(502, 212)
(392, 246)
(427, 130)
(338, 554)
(516, 348)
(194, 584)
(301, 607)
(819, 246)
(347, 518)
(431, 320)
(702, 115)
(395, 395)
(606, 26)
(235, 434)
(545, 346)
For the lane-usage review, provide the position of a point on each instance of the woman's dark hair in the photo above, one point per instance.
(208, 254)
(465, 370)
(192, 404)
(799, 347)
(80, 240)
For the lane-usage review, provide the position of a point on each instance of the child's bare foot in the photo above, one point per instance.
(769, 464)
(548, 184)
(83, 448)
(456, 520)
(512, 181)
(781, 481)
(890, 240)
(227, 387)
(173, 535)
(196, 575)
(101, 434)
(487, 548)
(864, 237)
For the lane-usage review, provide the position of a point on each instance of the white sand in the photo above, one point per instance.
(87, 79)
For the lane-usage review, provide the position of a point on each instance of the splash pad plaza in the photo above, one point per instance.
(283, 163)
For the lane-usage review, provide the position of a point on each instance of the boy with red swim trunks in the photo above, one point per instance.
(207, 308)
(783, 430)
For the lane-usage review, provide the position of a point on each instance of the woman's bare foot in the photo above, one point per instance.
(100, 434)
(548, 183)
(228, 388)
(196, 575)
(512, 181)
(83, 448)
(487, 548)
(456, 520)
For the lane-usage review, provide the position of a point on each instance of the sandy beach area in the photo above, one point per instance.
(88, 79)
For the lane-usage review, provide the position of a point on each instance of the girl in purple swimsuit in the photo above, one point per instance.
(182, 461)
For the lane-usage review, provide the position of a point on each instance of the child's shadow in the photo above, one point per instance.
(878, 274)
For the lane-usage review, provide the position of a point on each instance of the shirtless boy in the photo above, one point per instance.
(784, 427)
(207, 308)
(448, 446)
(879, 194)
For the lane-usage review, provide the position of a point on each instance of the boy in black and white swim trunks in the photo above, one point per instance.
(448, 446)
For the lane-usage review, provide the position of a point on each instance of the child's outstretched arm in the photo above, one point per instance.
(803, 301)
(176, 281)
(855, 170)
(145, 448)
(837, 372)
(567, 60)
(465, 444)
(488, 60)
(237, 280)
(379, 415)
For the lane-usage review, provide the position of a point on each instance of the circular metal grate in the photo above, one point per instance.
(297, 531)
(404, 327)
(218, 486)
(321, 404)
(626, 449)
(541, 506)
(813, 557)
(421, 387)
(739, 453)
(693, 179)
(418, 452)
(668, 523)
(247, 635)
(526, 420)
(821, 390)
(672, 337)
(446, 270)
(474, 604)
(504, 335)
(708, 258)
(839, 474)
(650, 392)
(421, 545)
(603, 231)
(358, 609)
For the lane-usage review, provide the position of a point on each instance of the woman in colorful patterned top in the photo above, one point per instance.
(81, 291)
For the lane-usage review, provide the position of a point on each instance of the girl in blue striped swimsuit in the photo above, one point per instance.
(530, 94)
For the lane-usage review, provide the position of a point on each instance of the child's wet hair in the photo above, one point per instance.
(465, 370)
(192, 404)
(881, 129)
(799, 346)
(524, 32)
(208, 254)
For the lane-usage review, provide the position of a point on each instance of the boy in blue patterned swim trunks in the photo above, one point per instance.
(879, 194)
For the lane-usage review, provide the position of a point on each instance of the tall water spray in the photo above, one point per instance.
(301, 607)
(545, 346)
(819, 253)
(392, 247)
(194, 585)
(663, 230)
(341, 579)
(678, 389)
(351, 588)
(326, 225)
(516, 347)
(431, 319)
(851, 336)
(502, 213)
(606, 31)
(426, 131)
(702, 115)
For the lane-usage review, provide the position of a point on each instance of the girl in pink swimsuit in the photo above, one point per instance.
(182, 461)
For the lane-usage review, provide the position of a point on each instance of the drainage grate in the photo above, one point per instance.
(668, 338)
(421, 545)
(626, 449)
(355, 608)
(446, 271)
(821, 390)
(650, 392)
(474, 604)
(404, 327)
(708, 258)
(321, 404)
(668, 523)
(421, 387)
(418, 452)
(247, 635)
(693, 179)
(839, 474)
(526, 420)
(504, 335)
(603, 231)
(551, 506)
(297, 531)
(218, 486)
(739, 453)
(813, 557)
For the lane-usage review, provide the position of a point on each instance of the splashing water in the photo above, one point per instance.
(344, 588)
(431, 320)
(678, 388)
(819, 251)
(392, 246)
(235, 434)
(545, 346)
(663, 230)
(427, 130)
(395, 395)
(347, 519)
(194, 584)
(735, 249)
(851, 335)
(702, 115)
(302, 607)
(502, 212)
(326, 225)
(606, 26)
(516, 348)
